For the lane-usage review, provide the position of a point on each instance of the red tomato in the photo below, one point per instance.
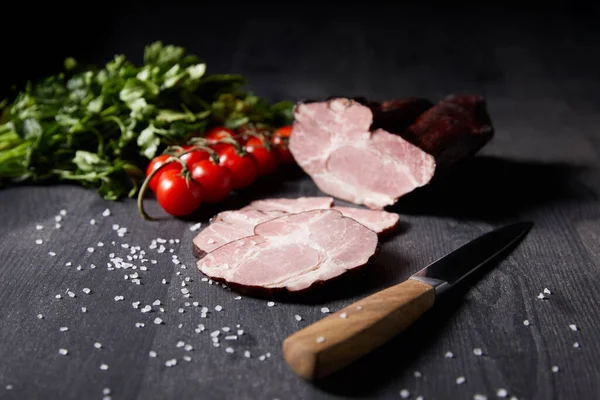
(218, 133)
(216, 181)
(176, 195)
(243, 168)
(155, 164)
(268, 161)
(193, 157)
(280, 141)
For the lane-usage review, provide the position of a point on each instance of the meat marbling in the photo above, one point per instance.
(228, 226)
(331, 141)
(292, 252)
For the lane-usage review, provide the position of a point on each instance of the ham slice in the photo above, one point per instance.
(380, 222)
(292, 252)
(228, 226)
(332, 143)
(291, 206)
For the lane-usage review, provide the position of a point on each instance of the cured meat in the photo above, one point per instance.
(228, 226)
(398, 114)
(292, 252)
(454, 128)
(291, 206)
(380, 222)
(331, 142)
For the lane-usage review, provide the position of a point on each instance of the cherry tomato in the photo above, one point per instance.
(218, 133)
(280, 141)
(155, 164)
(216, 181)
(176, 195)
(243, 168)
(267, 160)
(193, 157)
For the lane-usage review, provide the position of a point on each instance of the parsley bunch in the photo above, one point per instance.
(100, 127)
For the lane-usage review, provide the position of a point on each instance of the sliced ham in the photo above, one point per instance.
(292, 252)
(380, 222)
(331, 142)
(291, 206)
(228, 226)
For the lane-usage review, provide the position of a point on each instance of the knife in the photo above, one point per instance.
(342, 337)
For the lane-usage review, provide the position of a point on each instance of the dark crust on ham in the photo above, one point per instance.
(197, 252)
(313, 293)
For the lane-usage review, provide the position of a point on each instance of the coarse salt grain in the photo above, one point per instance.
(135, 304)
(187, 358)
(477, 351)
(139, 324)
(478, 396)
(418, 374)
(180, 344)
(541, 296)
(158, 321)
(231, 337)
(106, 391)
(343, 315)
(229, 350)
(218, 308)
(320, 339)
(526, 322)
(449, 354)
(247, 354)
(156, 303)
(39, 227)
(502, 393)
(63, 212)
(51, 253)
(185, 290)
(63, 328)
(547, 291)
(119, 298)
(83, 309)
(71, 294)
(237, 298)
(573, 327)
(460, 380)
(90, 249)
(324, 310)
(270, 304)
(39, 241)
(576, 344)
(103, 367)
(152, 354)
(188, 347)
(146, 309)
(297, 317)
(555, 368)
(63, 352)
(40, 316)
(98, 345)
(404, 393)
(92, 221)
(58, 296)
(262, 358)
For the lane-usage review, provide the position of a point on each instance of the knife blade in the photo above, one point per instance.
(342, 337)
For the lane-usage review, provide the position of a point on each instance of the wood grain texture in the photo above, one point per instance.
(343, 337)
(539, 73)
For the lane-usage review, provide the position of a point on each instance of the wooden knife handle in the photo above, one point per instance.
(334, 342)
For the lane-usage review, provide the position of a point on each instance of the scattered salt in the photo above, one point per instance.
(418, 374)
(63, 328)
(576, 344)
(460, 380)
(297, 317)
(555, 368)
(229, 350)
(63, 352)
(139, 324)
(343, 315)
(270, 304)
(83, 309)
(39, 241)
(156, 303)
(152, 354)
(320, 339)
(158, 321)
(40, 316)
(146, 309)
(103, 367)
(573, 327)
(39, 227)
(449, 354)
(180, 344)
(119, 298)
(502, 393)
(98, 345)
(547, 291)
(218, 308)
(526, 322)
(404, 393)
(324, 310)
(477, 351)
(247, 354)
(90, 249)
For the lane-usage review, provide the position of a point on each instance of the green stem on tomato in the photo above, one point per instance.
(144, 187)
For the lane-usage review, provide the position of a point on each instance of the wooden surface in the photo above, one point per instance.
(539, 72)
(337, 340)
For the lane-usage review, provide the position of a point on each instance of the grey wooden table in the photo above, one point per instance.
(539, 73)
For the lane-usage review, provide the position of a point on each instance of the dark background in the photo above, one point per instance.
(538, 67)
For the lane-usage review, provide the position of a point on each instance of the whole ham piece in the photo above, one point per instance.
(292, 253)
(228, 226)
(333, 143)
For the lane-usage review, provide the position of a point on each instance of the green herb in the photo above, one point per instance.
(99, 127)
